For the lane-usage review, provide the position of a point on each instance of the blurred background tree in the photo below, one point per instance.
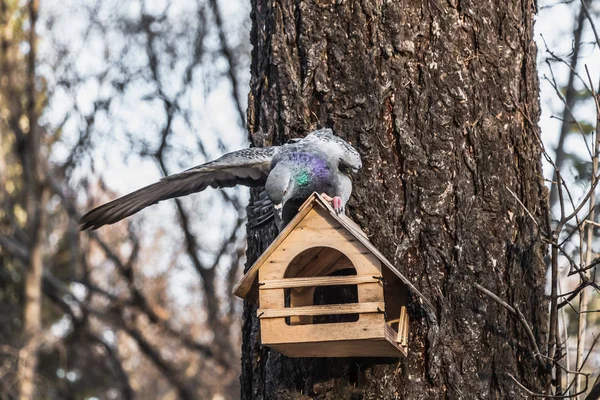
(568, 62)
(119, 94)
(99, 97)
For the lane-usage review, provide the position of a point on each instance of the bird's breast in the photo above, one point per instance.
(310, 167)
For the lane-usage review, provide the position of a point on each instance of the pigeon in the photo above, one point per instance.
(319, 162)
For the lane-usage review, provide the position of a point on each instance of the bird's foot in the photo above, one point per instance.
(336, 202)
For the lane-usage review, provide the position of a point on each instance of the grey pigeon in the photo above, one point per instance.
(319, 162)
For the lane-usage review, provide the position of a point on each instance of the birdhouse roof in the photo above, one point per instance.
(248, 282)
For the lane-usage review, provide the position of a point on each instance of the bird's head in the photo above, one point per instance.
(353, 161)
(280, 187)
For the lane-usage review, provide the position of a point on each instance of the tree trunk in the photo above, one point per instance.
(36, 200)
(438, 97)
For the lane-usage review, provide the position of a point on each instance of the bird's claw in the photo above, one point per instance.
(336, 202)
(338, 206)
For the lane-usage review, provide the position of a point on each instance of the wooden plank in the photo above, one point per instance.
(272, 298)
(370, 292)
(343, 348)
(368, 326)
(312, 227)
(317, 281)
(327, 205)
(329, 309)
(344, 263)
(327, 239)
(403, 327)
(390, 336)
(354, 225)
(400, 336)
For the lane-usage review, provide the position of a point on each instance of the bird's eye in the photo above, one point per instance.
(285, 191)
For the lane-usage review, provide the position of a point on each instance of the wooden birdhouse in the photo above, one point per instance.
(325, 291)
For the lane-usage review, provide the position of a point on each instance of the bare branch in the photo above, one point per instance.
(591, 21)
(570, 95)
(515, 311)
(523, 206)
(546, 396)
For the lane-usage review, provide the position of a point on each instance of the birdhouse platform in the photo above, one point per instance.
(325, 291)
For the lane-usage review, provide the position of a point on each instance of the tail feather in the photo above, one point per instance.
(123, 207)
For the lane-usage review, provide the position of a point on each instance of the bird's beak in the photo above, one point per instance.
(355, 170)
(279, 210)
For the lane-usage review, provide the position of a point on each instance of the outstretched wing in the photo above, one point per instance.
(248, 167)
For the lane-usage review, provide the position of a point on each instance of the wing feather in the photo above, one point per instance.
(248, 167)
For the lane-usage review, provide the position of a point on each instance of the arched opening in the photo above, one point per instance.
(321, 262)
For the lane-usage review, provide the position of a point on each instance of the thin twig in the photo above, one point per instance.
(591, 21)
(525, 208)
(514, 311)
(547, 396)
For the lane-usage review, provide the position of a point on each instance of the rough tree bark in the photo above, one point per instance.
(438, 97)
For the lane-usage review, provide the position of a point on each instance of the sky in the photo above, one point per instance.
(553, 29)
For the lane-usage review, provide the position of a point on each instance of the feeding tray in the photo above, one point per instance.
(325, 291)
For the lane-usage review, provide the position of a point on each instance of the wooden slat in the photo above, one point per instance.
(405, 327)
(273, 298)
(317, 281)
(390, 336)
(402, 337)
(330, 309)
(340, 348)
(370, 292)
(368, 326)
